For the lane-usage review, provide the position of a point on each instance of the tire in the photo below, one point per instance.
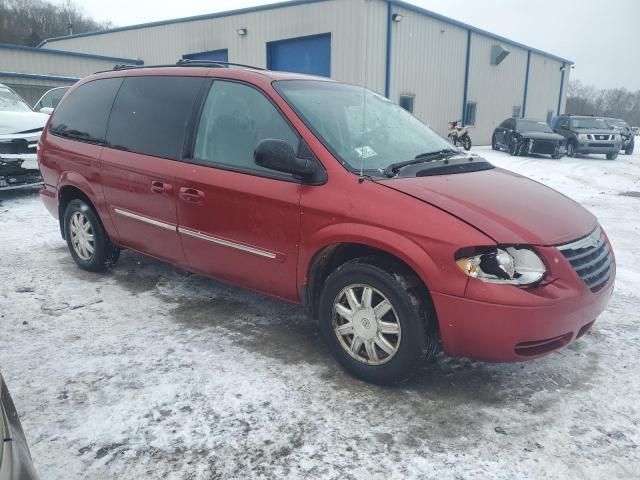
(466, 143)
(612, 155)
(80, 217)
(630, 147)
(494, 143)
(557, 156)
(571, 149)
(410, 312)
(514, 148)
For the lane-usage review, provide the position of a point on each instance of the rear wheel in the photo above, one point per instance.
(466, 142)
(494, 143)
(571, 149)
(87, 240)
(612, 155)
(375, 322)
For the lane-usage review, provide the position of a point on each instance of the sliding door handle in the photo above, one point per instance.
(191, 194)
(161, 187)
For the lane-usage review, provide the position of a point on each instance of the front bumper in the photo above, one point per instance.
(18, 173)
(598, 147)
(542, 147)
(502, 323)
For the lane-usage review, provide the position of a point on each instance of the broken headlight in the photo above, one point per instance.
(505, 265)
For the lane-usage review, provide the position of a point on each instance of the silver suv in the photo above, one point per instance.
(586, 134)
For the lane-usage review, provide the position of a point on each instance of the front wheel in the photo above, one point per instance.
(571, 149)
(514, 148)
(375, 322)
(494, 143)
(466, 142)
(612, 155)
(630, 147)
(87, 240)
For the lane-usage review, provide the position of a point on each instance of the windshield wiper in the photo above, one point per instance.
(394, 168)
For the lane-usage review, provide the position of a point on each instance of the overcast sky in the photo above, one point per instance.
(601, 36)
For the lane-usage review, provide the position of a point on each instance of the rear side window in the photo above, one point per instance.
(151, 115)
(85, 112)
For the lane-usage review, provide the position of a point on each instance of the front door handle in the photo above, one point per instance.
(191, 194)
(160, 187)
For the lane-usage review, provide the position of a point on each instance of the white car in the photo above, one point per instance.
(20, 129)
(50, 100)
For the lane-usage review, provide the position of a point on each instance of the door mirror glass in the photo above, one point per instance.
(279, 155)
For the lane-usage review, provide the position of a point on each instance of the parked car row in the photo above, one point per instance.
(567, 135)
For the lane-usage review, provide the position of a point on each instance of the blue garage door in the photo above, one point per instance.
(212, 56)
(311, 55)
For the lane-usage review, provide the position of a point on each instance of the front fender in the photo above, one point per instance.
(393, 243)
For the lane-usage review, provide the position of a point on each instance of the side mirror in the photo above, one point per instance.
(47, 110)
(278, 155)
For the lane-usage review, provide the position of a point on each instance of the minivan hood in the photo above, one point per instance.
(15, 122)
(507, 207)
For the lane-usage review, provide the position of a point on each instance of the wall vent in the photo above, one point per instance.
(498, 54)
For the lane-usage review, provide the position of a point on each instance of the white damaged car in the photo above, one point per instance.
(20, 129)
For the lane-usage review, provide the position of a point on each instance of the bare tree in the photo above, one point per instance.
(615, 102)
(28, 22)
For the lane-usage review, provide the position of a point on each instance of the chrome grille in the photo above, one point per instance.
(591, 258)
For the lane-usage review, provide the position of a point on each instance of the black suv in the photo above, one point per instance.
(587, 134)
(626, 133)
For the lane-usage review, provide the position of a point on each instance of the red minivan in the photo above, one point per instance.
(329, 195)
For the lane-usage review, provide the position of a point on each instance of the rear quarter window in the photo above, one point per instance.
(150, 115)
(84, 113)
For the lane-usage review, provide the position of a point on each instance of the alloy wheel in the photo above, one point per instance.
(82, 237)
(366, 324)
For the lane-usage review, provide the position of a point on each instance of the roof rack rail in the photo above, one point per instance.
(213, 63)
(184, 62)
(124, 66)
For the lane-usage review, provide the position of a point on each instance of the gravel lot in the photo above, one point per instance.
(151, 372)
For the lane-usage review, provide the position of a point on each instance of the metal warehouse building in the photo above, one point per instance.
(436, 67)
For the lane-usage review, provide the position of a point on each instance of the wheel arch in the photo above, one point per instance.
(72, 186)
(396, 250)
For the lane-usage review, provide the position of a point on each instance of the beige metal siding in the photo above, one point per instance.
(428, 61)
(495, 88)
(428, 56)
(544, 86)
(30, 61)
(376, 45)
(167, 43)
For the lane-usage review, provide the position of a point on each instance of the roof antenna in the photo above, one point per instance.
(361, 178)
(364, 125)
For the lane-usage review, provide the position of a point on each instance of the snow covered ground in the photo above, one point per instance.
(150, 372)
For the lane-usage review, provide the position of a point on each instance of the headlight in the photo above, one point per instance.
(507, 265)
(582, 136)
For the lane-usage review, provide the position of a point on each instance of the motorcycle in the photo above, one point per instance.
(459, 136)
